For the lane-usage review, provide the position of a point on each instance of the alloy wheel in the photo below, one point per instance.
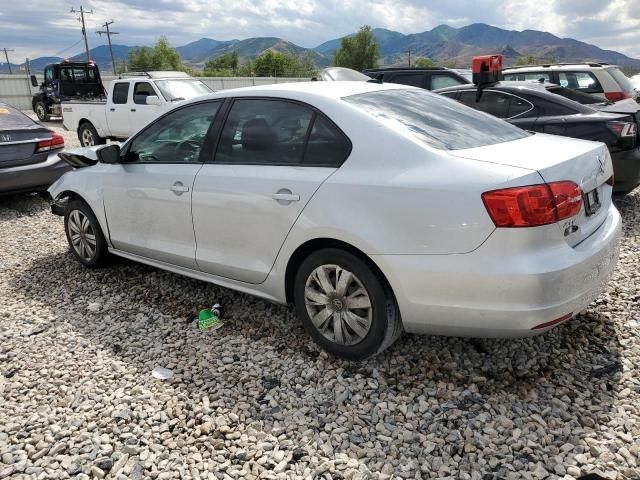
(338, 304)
(40, 112)
(87, 138)
(82, 235)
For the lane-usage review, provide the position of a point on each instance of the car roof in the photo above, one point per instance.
(505, 85)
(335, 90)
(11, 117)
(403, 69)
(559, 66)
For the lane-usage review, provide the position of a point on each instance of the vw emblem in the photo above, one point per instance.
(5, 138)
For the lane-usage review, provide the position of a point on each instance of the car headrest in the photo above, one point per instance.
(256, 135)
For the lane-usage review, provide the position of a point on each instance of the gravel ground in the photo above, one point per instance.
(257, 399)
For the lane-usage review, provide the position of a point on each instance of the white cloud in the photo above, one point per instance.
(46, 28)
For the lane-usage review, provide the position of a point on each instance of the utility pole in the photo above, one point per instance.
(82, 11)
(6, 55)
(108, 34)
(409, 58)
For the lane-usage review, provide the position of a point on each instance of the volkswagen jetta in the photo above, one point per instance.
(372, 208)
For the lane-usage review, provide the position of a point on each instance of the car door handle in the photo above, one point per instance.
(285, 196)
(112, 109)
(133, 109)
(179, 188)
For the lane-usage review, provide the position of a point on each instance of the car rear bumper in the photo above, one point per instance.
(34, 177)
(493, 293)
(626, 170)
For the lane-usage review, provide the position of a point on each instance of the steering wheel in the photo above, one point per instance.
(187, 147)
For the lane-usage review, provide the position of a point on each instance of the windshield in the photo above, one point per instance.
(575, 95)
(435, 120)
(621, 78)
(175, 90)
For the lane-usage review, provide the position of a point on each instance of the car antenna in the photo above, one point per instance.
(376, 79)
(487, 70)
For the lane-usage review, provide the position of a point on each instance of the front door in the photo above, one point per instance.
(140, 114)
(272, 157)
(147, 198)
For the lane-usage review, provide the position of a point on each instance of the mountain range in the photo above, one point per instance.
(443, 44)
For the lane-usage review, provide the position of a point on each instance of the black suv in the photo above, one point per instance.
(430, 78)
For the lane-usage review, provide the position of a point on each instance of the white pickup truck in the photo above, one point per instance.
(132, 102)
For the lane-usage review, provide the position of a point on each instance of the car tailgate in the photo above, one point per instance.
(586, 163)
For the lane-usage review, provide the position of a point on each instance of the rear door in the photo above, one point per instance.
(118, 109)
(147, 198)
(271, 158)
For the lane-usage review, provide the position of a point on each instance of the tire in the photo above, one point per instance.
(41, 111)
(377, 326)
(88, 135)
(90, 246)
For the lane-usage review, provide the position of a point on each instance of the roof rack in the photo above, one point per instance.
(547, 65)
(396, 69)
(134, 74)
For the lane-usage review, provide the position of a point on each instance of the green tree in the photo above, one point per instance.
(224, 65)
(159, 57)
(359, 51)
(283, 64)
(424, 62)
(525, 60)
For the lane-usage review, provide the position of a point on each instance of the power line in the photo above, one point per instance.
(68, 48)
(82, 12)
(6, 55)
(108, 34)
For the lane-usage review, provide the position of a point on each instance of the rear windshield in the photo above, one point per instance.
(435, 120)
(575, 95)
(621, 78)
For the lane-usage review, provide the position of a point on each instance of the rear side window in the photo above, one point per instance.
(528, 77)
(493, 103)
(439, 80)
(327, 145)
(583, 81)
(434, 120)
(575, 95)
(263, 132)
(120, 92)
(411, 79)
(621, 79)
(518, 107)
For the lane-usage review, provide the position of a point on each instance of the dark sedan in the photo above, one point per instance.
(29, 159)
(532, 107)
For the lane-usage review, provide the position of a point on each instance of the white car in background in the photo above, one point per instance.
(372, 208)
(600, 80)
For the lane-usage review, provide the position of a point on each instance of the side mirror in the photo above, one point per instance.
(153, 100)
(109, 153)
(34, 81)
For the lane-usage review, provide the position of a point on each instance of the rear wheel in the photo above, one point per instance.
(344, 305)
(41, 111)
(85, 235)
(88, 135)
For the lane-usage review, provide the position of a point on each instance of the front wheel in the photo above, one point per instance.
(41, 111)
(344, 305)
(85, 235)
(88, 135)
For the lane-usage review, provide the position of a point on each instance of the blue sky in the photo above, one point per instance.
(43, 27)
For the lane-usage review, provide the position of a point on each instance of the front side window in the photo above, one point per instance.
(120, 92)
(141, 91)
(177, 137)
(434, 120)
(48, 75)
(583, 81)
(411, 79)
(264, 132)
(439, 80)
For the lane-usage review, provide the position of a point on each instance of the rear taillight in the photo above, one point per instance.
(623, 129)
(533, 205)
(56, 141)
(617, 96)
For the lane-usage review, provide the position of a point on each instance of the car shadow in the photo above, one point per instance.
(452, 387)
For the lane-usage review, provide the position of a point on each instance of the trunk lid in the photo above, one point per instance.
(555, 158)
(18, 147)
